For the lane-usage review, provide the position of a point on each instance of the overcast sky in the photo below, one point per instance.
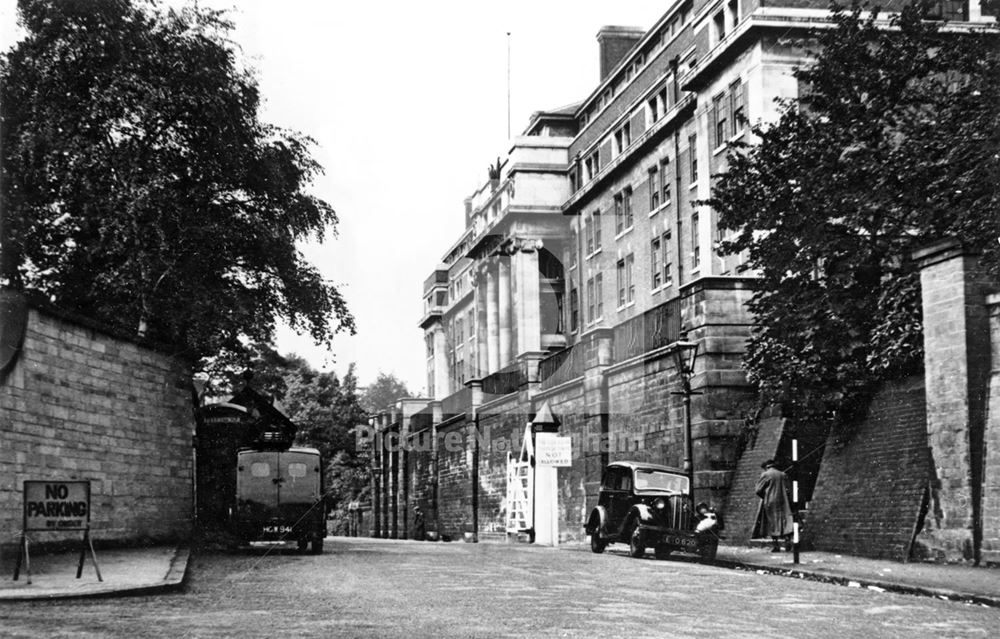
(407, 101)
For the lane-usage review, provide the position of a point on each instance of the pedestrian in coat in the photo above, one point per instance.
(772, 488)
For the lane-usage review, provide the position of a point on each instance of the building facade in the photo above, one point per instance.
(586, 256)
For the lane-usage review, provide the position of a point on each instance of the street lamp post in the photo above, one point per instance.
(684, 354)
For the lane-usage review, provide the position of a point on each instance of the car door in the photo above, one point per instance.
(620, 497)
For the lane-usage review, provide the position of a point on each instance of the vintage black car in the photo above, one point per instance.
(647, 505)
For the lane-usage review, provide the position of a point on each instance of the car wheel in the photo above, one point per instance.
(637, 542)
(662, 552)
(303, 544)
(597, 544)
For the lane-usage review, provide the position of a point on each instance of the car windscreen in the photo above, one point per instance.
(658, 480)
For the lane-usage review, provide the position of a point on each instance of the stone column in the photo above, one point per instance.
(436, 416)
(441, 376)
(492, 321)
(482, 331)
(527, 302)
(991, 482)
(503, 302)
(956, 375)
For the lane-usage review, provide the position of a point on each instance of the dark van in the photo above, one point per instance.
(279, 497)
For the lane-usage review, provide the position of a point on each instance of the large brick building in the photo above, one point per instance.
(584, 258)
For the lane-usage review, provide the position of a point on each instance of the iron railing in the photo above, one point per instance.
(561, 367)
(654, 329)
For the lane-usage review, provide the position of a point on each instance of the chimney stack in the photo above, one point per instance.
(614, 44)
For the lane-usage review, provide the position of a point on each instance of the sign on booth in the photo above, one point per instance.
(553, 450)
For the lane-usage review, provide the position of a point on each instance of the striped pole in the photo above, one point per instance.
(795, 502)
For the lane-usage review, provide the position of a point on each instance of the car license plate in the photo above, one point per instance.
(687, 543)
(278, 530)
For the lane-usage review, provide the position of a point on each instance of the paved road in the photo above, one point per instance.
(381, 588)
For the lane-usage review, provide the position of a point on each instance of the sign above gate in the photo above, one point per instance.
(553, 450)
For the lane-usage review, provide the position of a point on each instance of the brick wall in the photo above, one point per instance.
(873, 478)
(82, 404)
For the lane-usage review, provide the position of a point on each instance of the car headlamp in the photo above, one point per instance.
(660, 503)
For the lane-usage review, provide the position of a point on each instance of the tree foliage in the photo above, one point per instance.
(383, 392)
(139, 185)
(893, 144)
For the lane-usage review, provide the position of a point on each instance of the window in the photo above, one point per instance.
(668, 278)
(599, 294)
(737, 101)
(574, 310)
(665, 181)
(623, 138)
(654, 190)
(591, 296)
(695, 249)
(595, 298)
(623, 210)
(719, 26)
(626, 287)
(429, 343)
(260, 469)
(619, 215)
(297, 469)
(657, 105)
(627, 206)
(718, 116)
(472, 325)
(572, 249)
(592, 232)
(592, 165)
(656, 262)
(595, 221)
(693, 156)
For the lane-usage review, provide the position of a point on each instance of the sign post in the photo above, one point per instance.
(551, 452)
(56, 506)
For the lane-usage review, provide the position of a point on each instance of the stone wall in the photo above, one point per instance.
(81, 403)
(501, 425)
(991, 475)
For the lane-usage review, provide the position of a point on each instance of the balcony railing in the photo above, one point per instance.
(561, 367)
(507, 380)
(653, 329)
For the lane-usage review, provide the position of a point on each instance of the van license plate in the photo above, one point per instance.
(277, 529)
